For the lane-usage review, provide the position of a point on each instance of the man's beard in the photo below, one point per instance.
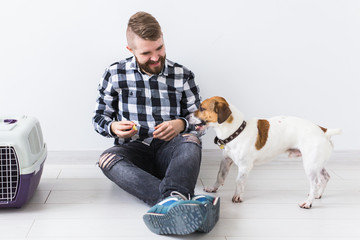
(145, 67)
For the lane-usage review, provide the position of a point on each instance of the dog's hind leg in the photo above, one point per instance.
(314, 179)
(225, 165)
(324, 178)
(314, 159)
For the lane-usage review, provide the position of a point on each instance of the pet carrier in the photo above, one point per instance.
(22, 156)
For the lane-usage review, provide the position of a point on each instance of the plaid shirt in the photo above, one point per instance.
(125, 93)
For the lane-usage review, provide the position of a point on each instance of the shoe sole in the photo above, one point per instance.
(182, 219)
(213, 213)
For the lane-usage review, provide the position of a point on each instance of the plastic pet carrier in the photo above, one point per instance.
(22, 156)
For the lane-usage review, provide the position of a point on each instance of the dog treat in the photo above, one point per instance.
(134, 127)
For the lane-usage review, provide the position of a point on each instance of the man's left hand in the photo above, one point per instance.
(169, 129)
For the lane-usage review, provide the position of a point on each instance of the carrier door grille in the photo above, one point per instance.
(9, 174)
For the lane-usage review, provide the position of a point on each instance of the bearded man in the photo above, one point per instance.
(143, 103)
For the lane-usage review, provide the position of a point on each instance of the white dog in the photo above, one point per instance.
(261, 140)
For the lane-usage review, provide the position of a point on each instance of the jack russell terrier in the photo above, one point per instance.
(259, 140)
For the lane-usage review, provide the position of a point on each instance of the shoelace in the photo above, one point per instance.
(176, 193)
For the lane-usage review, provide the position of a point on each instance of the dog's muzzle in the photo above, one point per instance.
(200, 125)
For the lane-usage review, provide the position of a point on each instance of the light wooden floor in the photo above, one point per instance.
(75, 201)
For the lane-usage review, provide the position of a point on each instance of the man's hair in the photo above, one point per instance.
(144, 25)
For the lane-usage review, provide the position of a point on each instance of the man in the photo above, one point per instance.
(143, 103)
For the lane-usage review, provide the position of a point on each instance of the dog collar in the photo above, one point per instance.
(221, 143)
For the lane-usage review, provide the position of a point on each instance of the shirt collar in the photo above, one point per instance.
(134, 66)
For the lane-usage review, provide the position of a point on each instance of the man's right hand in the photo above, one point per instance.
(123, 129)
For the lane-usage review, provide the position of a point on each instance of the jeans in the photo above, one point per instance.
(151, 173)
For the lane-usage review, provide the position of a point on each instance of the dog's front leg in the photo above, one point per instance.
(223, 172)
(240, 182)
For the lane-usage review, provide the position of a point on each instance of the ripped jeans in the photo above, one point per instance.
(151, 173)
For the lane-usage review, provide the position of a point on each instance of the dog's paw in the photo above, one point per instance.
(237, 199)
(305, 205)
(210, 189)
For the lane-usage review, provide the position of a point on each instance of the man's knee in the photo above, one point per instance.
(192, 138)
(191, 148)
(107, 160)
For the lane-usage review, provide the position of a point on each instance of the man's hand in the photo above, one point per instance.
(123, 129)
(169, 129)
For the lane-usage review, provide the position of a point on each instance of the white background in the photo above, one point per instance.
(267, 57)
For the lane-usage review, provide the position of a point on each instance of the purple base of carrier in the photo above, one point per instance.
(27, 187)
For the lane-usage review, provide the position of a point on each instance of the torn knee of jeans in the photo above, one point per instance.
(191, 138)
(107, 160)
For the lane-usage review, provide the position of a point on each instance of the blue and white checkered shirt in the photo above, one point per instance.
(125, 93)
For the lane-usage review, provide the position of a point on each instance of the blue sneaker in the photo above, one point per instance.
(175, 215)
(212, 205)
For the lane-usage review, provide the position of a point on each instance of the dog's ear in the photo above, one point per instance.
(223, 111)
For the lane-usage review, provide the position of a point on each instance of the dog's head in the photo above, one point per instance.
(214, 110)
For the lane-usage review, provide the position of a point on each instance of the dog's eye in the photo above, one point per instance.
(201, 109)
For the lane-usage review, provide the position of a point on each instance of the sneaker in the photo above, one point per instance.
(212, 205)
(175, 215)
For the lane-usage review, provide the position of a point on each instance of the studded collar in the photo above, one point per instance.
(221, 143)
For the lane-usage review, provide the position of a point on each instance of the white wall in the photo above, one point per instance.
(267, 57)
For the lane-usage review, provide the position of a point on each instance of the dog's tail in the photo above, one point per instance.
(332, 132)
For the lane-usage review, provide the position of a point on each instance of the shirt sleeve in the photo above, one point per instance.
(106, 106)
(190, 99)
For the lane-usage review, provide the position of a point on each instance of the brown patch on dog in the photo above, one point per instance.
(263, 131)
(214, 109)
(223, 111)
(324, 129)
(206, 113)
(230, 119)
